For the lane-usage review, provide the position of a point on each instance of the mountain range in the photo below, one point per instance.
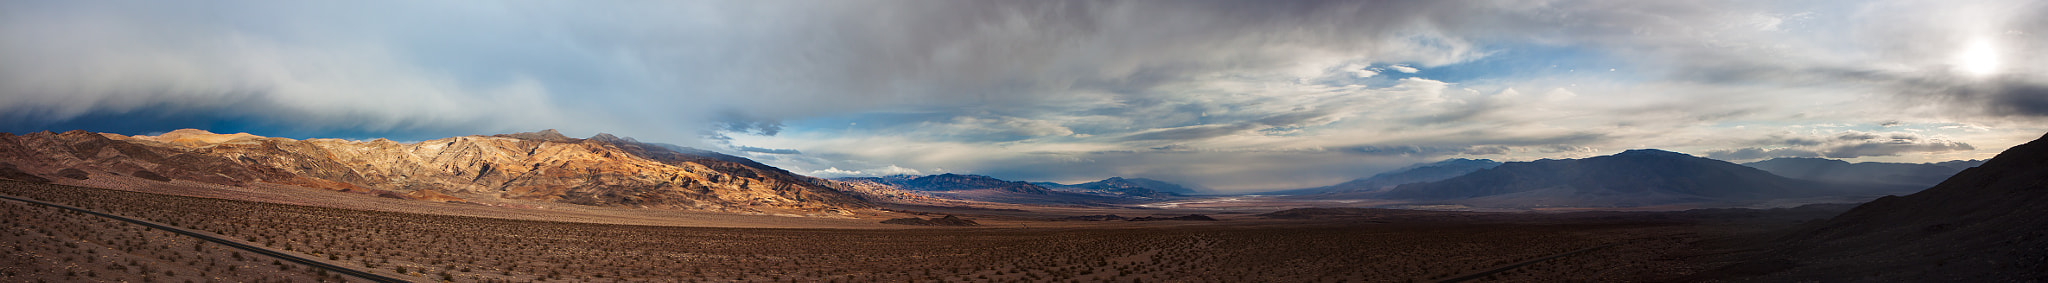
(1371, 187)
(1920, 175)
(990, 189)
(603, 170)
(1631, 178)
(956, 182)
(1125, 187)
(606, 170)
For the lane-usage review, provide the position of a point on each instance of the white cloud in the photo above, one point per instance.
(835, 172)
(1049, 89)
(1364, 73)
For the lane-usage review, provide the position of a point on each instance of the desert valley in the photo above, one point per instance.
(611, 209)
(1024, 141)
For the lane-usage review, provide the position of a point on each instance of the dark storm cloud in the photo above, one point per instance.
(1856, 136)
(734, 122)
(1795, 141)
(2010, 96)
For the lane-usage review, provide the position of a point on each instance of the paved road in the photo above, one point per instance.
(1498, 269)
(230, 243)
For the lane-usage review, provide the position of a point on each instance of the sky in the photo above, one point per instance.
(1233, 96)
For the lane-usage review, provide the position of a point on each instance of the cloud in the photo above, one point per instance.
(1425, 151)
(1192, 132)
(1847, 144)
(768, 150)
(1893, 147)
(971, 128)
(1364, 73)
(733, 122)
(1856, 136)
(1753, 153)
(2009, 96)
(1067, 90)
(622, 67)
(835, 172)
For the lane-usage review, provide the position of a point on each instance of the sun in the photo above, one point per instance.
(1979, 58)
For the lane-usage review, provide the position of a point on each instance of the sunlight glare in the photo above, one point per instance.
(1980, 58)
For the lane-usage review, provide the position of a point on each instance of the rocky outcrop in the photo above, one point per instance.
(602, 171)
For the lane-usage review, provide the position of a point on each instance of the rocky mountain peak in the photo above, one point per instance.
(549, 135)
(606, 137)
(1650, 152)
(191, 137)
(543, 166)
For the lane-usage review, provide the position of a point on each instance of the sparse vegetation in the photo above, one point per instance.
(468, 249)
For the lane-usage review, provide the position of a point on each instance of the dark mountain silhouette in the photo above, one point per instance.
(985, 188)
(1120, 186)
(1920, 175)
(1631, 178)
(955, 182)
(1985, 224)
(1372, 186)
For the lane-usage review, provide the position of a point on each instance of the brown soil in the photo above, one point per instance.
(473, 249)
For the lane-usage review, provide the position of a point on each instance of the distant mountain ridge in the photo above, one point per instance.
(1372, 186)
(1831, 170)
(954, 182)
(1631, 178)
(983, 188)
(1129, 187)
